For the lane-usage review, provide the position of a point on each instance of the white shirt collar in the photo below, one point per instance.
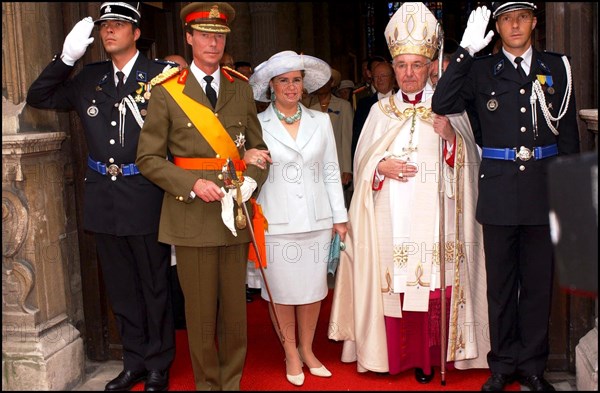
(126, 70)
(199, 74)
(527, 57)
(381, 95)
(427, 93)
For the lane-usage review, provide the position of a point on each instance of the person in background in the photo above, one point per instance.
(388, 291)
(204, 117)
(179, 60)
(345, 90)
(303, 202)
(522, 108)
(121, 206)
(383, 83)
(244, 68)
(227, 61)
(341, 114)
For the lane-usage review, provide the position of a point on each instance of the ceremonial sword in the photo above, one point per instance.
(236, 183)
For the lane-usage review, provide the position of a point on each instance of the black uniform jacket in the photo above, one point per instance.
(499, 108)
(129, 205)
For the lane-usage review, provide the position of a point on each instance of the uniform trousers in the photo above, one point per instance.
(135, 270)
(213, 282)
(519, 266)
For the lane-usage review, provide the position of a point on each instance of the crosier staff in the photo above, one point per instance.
(442, 220)
(241, 222)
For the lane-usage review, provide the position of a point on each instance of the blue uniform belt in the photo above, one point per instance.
(523, 154)
(113, 169)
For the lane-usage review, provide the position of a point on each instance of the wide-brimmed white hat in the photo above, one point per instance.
(316, 72)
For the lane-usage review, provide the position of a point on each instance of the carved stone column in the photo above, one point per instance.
(590, 116)
(41, 350)
(264, 36)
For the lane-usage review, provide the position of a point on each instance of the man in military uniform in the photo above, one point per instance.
(121, 207)
(522, 108)
(204, 117)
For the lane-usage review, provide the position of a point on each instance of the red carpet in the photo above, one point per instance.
(265, 368)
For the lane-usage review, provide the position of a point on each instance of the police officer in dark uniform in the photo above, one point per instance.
(121, 207)
(522, 108)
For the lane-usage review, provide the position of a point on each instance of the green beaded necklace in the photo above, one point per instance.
(291, 119)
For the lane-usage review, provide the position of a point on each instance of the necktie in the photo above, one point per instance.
(210, 92)
(520, 69)
(120, 84)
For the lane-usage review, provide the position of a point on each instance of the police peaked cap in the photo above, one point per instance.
(115, 10)
(502, 7)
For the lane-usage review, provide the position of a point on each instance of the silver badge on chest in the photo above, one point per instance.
(492, 104)
(92, 111)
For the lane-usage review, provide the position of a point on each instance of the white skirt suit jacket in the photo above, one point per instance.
(303, 192)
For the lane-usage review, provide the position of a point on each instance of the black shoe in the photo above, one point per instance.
(126, 380)
(496, 382)
(421, 377)
(536, 383)
(157, 380)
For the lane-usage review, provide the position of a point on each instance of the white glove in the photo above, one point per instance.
(247, 188)
(227, 210)
(77, 41)
(474, 38)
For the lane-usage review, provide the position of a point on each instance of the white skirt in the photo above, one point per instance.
(296, 269)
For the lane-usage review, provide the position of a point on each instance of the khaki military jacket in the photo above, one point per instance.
(168, 132)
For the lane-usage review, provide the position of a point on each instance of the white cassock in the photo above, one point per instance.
(393, 238)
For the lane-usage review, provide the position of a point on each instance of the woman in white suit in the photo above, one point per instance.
(302, 200)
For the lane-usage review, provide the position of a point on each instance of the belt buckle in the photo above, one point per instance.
(524, 154)
(113, 170)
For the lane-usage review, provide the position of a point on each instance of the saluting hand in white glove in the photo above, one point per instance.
(77, 41)
(474, 38)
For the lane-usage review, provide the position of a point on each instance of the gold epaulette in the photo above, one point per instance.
(163, 76)
(226, 70)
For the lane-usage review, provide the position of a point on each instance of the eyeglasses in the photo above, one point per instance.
(286, 81)
(520, 18)
(377, 77)
(416, 67)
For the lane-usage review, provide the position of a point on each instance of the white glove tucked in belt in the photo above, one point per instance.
(227, 210)
(247, 188)
(230, 198)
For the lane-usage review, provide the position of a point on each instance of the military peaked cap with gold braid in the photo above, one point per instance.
(212, 17)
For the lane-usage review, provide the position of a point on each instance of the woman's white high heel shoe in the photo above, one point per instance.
(317, 371)
(320, 372)
(297, 380)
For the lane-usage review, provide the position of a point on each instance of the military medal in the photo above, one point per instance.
(143, 112)
(147, 95)
(492, 104)
(546, 80)
(240, 140)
